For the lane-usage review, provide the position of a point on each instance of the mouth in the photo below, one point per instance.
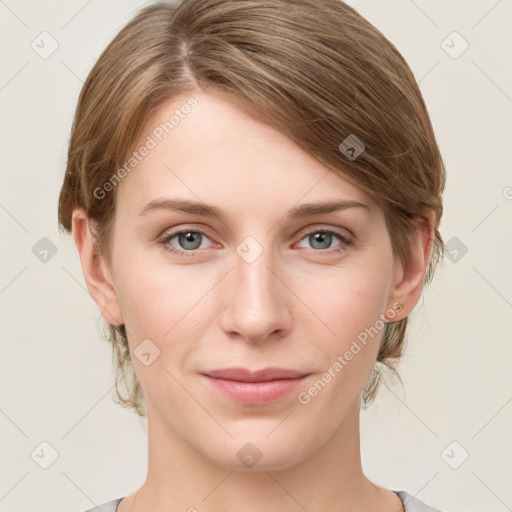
(255, 387)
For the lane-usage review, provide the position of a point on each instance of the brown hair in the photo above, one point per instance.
(317, 71)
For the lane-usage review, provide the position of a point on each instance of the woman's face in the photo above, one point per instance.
(256, 288)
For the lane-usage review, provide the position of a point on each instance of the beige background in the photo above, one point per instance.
(56, 370)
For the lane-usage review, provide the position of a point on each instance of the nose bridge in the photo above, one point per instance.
(256, 304)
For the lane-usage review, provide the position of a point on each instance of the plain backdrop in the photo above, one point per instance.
(445, 439)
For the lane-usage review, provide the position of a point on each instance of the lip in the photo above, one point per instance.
(255, 387)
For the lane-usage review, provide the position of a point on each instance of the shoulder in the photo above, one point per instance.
(109, 506)
(412, 504)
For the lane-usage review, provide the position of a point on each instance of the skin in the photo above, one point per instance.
(299, 305)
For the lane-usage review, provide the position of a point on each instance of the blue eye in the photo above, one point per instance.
(321, 239)
(191, 240)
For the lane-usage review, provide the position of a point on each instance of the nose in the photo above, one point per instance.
(256, 303)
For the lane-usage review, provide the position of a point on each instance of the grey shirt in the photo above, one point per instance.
(411, 504)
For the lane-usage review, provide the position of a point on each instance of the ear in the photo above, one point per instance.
(96, 273)
(409, 277)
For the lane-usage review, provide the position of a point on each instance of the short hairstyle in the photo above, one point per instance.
(317, 71)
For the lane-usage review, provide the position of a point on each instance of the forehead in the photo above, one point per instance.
(203, 147)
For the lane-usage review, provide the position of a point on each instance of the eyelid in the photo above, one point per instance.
(346, 237)
(176, 230)
(343, 232)
(165, 240)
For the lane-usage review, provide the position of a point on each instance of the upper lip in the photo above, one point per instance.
(246, 375)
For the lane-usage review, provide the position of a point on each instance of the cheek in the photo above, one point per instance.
(348, 299)
(352, 308)
(158, 304)
(170, 304)
(163, 308)
(153, 293)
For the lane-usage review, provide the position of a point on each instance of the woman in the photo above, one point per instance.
(255, 192)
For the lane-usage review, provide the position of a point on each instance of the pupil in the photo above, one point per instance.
(187, 240)
(321, 238)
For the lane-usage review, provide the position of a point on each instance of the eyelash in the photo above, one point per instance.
(346, 241)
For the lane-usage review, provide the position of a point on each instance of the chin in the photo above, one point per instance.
(257, 454)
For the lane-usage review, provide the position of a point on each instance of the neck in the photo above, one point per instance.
(331, 478)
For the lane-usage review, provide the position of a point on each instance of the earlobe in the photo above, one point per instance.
(410, 277)
(96, 274)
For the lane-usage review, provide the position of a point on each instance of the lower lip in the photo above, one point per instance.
(255, 393)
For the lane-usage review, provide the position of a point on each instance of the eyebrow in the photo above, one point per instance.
(205, 210)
